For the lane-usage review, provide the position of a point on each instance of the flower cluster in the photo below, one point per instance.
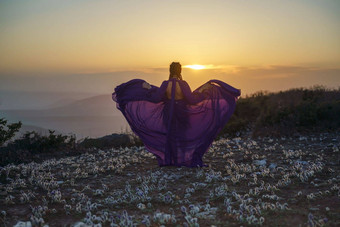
(248, 181)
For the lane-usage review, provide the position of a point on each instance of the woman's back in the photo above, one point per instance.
(178, 92)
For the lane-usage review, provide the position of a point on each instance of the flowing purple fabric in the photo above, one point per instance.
(178, 132)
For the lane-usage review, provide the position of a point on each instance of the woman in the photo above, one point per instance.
(175, 124)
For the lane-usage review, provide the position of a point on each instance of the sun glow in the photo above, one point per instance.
(197, 67)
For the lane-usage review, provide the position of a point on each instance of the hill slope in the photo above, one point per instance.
(286, 112)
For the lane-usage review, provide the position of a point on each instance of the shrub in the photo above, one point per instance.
(286, 112)
(33, 147)
(7, 131)
(112, 141)
(33, 142)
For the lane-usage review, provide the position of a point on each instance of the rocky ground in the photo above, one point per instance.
(266, 181)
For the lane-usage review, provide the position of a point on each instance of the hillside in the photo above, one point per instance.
(289, 179)
(297, 110)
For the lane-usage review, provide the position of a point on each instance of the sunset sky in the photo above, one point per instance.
(87, 45)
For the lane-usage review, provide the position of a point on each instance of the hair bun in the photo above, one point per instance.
(175, 70)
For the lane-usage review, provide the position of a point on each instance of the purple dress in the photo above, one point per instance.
(178, 132)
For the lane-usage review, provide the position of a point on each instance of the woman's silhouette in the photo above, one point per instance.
(175, 124)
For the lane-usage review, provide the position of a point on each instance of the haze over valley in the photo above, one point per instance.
(86, 117)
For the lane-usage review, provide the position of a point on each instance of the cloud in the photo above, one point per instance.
(279, 77)
(248, 78)
(277, 71)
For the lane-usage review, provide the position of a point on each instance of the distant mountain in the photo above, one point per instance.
(38, 100)
(61, 102)
(101, 105)
(95, 116)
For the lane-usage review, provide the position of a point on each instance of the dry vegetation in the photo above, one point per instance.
(297, 110)
(288, 181)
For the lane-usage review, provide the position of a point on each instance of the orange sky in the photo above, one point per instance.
(285, 43)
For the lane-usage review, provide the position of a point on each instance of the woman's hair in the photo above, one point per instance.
(175, 71)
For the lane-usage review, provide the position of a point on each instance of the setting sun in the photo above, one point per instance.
(197, 67)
